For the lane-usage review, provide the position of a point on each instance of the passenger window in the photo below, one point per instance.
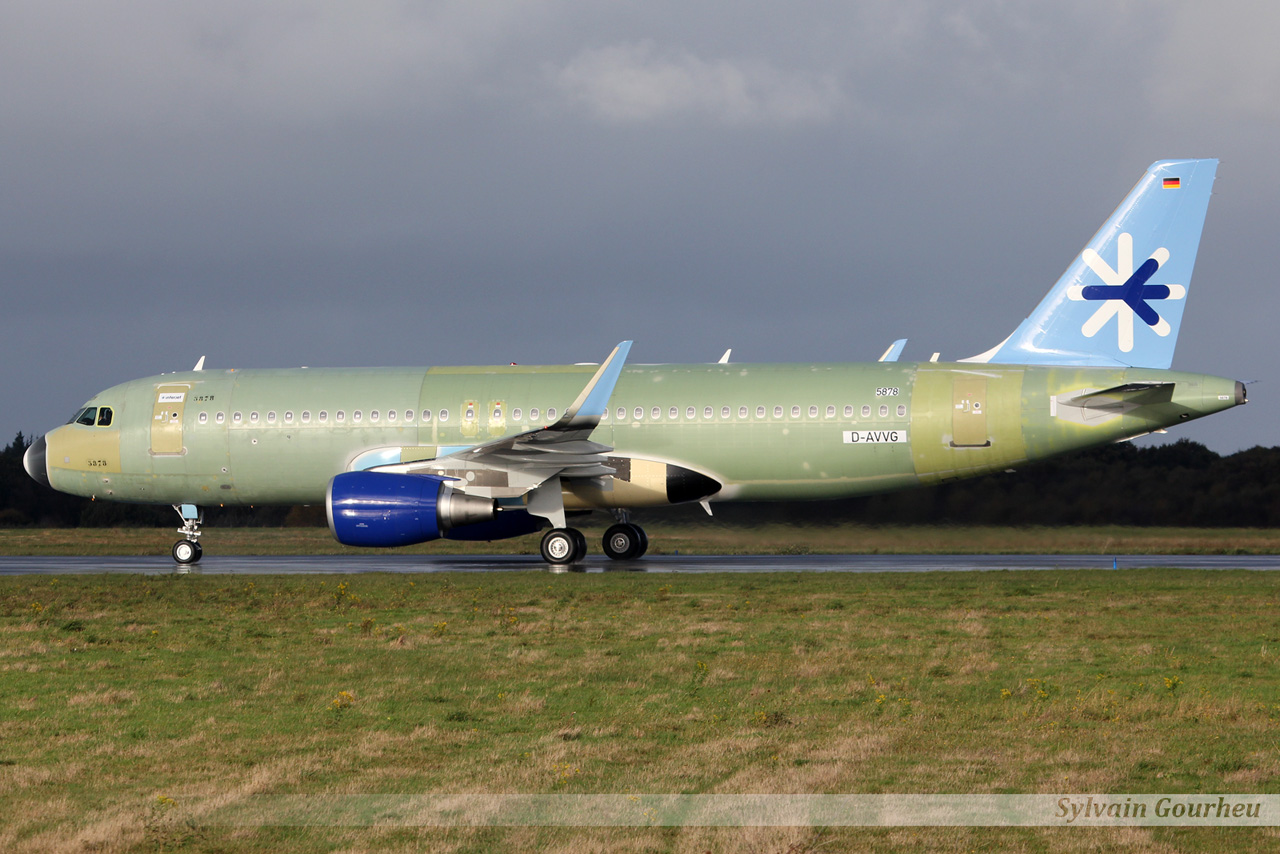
(357, 415)
(866, 410)
(813, 412)
(470, 414)
(656, 413)
(306, 416)
(373, 416)
(104, 416)
(516, 414)
(271, 417)
(391, 415)
(497, 413)
(236, 418)
(759, 412)
(444, 415)
(534, 413)
(340, 415)
(742, 413)
(323, 416)
(88, 416)
(831, 412)
(902, 410)
(795, 412)
(408, 415)
(673, 413)
(691, 413)
(551, 414)
(622, 413)
(220, 417)
(884, 410)
(724, 413)
(848, 411)
(288, 417)
(707, 412)
(204, 418)
(426, 415)
(777, 412)
(639, 413)
(253, 417)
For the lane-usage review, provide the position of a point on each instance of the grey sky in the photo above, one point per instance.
(457, 182)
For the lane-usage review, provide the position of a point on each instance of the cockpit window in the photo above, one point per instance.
(88, 416)
(104, 416)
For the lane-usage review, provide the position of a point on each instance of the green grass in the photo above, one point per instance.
(708, 537)
(132, 708)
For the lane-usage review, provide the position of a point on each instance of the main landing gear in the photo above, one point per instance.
(187, 550)
(623, 541)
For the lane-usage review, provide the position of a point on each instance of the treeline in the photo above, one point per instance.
(1183, 484)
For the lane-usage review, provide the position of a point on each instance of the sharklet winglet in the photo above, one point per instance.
(591, 403)
(894, 351)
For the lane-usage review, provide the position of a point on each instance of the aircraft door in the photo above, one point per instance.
(166, 419)
(969, 412)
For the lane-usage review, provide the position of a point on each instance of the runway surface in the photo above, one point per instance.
(325, 564)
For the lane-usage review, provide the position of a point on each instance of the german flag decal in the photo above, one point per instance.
(1172, 183)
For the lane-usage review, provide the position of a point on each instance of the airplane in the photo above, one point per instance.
(408, 455)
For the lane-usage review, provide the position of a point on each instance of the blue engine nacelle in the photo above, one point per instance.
(368, 508)
(508, 523)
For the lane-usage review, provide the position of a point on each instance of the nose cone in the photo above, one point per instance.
(33, 461)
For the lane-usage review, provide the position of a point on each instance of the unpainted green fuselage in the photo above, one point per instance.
(764, 432)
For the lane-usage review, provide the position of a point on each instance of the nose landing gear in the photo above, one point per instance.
(187, 550)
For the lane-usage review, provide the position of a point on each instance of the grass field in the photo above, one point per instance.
(132, 708)
(709, 537)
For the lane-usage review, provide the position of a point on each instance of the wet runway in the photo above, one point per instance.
(232, 565)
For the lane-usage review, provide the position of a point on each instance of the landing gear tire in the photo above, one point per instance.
(562, 546)
(625, 541)
(187, 552)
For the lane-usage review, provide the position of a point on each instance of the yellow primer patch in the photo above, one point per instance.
(85, 449)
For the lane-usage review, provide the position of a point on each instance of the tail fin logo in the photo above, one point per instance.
(1125, 292)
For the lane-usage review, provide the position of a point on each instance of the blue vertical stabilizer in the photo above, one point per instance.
(1121, 300)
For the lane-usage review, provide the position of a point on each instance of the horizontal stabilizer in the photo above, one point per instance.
(1129, 394)
(1096, 406)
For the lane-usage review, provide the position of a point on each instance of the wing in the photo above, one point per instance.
(533, 463)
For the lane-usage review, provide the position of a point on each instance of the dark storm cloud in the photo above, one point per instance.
(375, 183)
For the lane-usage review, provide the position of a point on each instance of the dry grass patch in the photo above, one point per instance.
(1018, 682)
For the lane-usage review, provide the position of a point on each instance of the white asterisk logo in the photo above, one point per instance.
(1124, 292)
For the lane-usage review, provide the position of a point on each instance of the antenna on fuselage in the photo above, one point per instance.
(199, 365)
